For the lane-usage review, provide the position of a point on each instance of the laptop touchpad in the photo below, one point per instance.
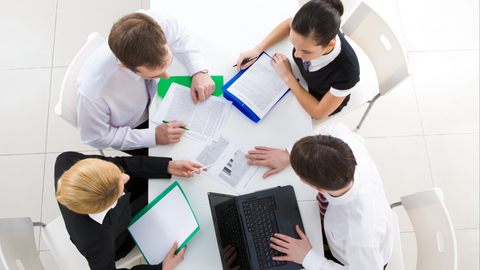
(288, 229)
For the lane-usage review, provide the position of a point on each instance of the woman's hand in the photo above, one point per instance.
(183, 168)
(171, 260)
(282, 64)
(247, 55)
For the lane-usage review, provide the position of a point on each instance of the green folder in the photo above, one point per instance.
(152, 224)
(164, 84)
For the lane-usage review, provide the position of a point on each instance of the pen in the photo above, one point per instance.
(205, 167)
(246, 60)
(166, 122)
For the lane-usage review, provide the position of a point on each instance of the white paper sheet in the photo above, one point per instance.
(231, 168)
(204, 120)
(169, 220)
(260, 87)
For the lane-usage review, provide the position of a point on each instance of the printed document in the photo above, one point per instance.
(260, 87)
(228, 155)
(204, 120)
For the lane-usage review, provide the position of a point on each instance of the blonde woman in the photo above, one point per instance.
(98, 196)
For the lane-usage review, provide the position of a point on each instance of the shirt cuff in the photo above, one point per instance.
(148, 137)
(313, 260)
(196, 66)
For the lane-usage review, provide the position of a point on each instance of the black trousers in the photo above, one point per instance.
(124, 243)
(141, 151)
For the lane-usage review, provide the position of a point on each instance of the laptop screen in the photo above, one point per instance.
(229, 232)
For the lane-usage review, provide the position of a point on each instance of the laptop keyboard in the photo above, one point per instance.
(261, 222)
(234, 231)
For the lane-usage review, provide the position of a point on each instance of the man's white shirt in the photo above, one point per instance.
(358, 224)
(111, 100)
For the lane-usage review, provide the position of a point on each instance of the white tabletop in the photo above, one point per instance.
(221, 30)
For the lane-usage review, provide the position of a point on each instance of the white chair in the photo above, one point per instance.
(67, 255)
(18, 250)
(373, 35)
(17, 245)
(436, 244)
(67, 105)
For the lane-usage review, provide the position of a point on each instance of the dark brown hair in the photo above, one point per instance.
(137, 40)
(323, 161)
(319, 20)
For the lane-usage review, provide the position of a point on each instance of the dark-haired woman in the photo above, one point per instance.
(326, 60)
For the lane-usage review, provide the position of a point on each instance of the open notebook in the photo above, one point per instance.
(168, 218)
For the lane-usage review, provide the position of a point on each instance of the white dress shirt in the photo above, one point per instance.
(111, 100)
(324, 60)
(358, 224)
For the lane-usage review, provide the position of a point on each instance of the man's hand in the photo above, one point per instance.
(171, 260)
(230, 255)
(276, 158)
(202, 87)
(183, 168)
(169, 133)
(295, 249)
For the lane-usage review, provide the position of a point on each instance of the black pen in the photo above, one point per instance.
(246, 60)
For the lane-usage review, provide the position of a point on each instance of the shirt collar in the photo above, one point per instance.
(99, 217)
(349, 196)
(324, 60)
(133, 74)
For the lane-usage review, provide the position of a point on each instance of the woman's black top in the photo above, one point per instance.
(342, 73)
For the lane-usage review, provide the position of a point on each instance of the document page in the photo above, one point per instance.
(163, 222)
(204, 120)
(260, 87)
(228, 155)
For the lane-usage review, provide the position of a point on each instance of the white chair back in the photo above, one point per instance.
(67, 107)
(17, 245)
(63, 250)
(67, 255)
(369, 31)
(434, 232)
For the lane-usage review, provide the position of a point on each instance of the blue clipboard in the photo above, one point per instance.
(240, 105)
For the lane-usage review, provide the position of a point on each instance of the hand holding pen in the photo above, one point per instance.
(246, 59)
(166, 122)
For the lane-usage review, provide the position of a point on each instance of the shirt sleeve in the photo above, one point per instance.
(359, 258)
(95, 130)
(341, 93)
(179, 40)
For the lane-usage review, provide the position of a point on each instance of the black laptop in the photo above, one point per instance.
(248, 221)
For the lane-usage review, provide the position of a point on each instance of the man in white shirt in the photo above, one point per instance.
(356, 216)
(118, 81)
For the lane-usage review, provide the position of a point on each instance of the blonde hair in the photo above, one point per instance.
(90, 186)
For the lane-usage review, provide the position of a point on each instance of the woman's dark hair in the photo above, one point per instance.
(323, 161)
(319, 20)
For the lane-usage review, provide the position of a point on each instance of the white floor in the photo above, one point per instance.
(423, 135)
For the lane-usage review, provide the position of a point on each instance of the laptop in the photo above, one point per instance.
(247, 222)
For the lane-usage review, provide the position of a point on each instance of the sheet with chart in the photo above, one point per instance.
(204, 119)
(228, 155)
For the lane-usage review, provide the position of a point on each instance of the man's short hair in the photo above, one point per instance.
(137, 40)
(325, 162)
